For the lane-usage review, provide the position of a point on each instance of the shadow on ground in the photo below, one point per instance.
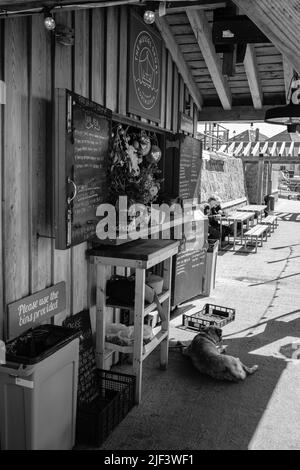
(288, 217)
(184, 410)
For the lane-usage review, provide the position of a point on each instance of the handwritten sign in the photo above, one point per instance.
(190, 168)
(186, 123)
(82, 135)
(214, 165)
(87, 381)
(35, 309)
(188, 276)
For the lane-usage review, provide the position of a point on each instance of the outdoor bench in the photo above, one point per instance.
(256, 232)
(271, 220)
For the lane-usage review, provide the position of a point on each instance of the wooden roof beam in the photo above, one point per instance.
(251, 68)
(178, 58)
(288, 72)
(183, 6)
(203, 35)
(237, 113)
(279, 20)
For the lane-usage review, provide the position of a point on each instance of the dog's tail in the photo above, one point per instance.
(250, 370)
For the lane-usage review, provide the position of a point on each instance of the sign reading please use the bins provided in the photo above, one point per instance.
(35, 309)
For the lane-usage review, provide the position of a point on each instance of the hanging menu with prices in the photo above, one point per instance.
(189, 168)
(189, 264)
(87, 381)
(82, 137)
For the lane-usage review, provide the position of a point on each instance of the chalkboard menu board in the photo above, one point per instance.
(82, 141)
(189, 263)
(190, 152)
(87, 383)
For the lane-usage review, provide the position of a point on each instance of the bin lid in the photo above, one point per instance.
(38, 343)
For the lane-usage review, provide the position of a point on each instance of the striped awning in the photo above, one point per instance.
(268, 148)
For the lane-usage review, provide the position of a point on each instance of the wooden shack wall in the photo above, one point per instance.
(32, 64)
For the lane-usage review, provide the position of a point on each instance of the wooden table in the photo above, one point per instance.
(241, 217)
(258, 209)
(139, 255)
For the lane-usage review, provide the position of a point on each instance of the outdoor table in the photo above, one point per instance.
(139, 255)
(258, 209)
(242, 217)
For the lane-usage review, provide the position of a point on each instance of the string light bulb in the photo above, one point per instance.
(149, 17)
(49, 21)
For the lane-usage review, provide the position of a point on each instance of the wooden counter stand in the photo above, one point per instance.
(139, 255)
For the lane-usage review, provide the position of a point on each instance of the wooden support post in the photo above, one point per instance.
(2, 92)
(164, 347)
(260, 179)
(270, 169)
(139, 303)
(101, 314)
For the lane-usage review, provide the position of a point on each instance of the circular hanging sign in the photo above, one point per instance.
(146, 70)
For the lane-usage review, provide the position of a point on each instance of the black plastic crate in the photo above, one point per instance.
(96, 420)
(210, 315)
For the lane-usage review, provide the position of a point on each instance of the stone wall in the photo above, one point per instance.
(222, 175)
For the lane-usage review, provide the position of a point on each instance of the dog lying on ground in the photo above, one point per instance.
(206, 353)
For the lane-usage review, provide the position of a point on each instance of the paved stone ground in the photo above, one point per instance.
(183, 410)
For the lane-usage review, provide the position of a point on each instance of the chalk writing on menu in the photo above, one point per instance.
(190, 164)
(91, 146)
(87, 381)
(190, 262)
(189, 272)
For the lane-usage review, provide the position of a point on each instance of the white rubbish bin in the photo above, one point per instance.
(38, 390)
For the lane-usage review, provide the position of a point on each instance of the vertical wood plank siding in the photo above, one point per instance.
(97, 45)
(33, 65)
(169, 91)
(16, 164)
(39, 155)
(79, 294)
(112, 58)
(2, 270)
(61, 265)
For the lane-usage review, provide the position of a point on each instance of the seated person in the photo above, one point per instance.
(266, 201)
(215, 213)
(213, 232)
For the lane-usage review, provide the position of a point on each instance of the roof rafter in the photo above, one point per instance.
(178, 58)
(203, 36)
(288, 72)
(250, 64)
(279, 20)
(205, 5)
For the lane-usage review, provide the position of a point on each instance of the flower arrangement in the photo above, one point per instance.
(133, 169)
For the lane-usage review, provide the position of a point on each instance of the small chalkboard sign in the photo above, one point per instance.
(35, 309)
(188, 275)
(82, 143)
(87, 381)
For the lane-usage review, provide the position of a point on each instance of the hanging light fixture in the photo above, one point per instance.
(288, 115)
(49, 21)
(149, 17)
